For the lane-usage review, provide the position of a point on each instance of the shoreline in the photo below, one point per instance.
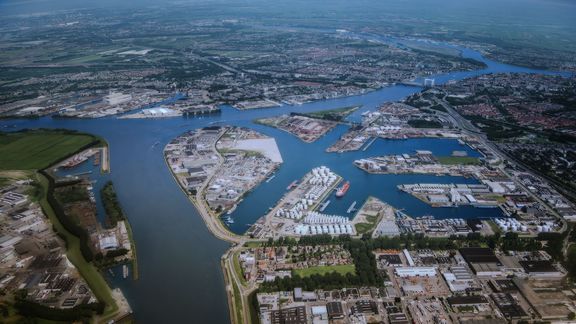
(217, 230)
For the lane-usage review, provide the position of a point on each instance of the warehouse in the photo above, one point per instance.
(335, 310)
(473, 300)
(541, 269)
(415, 272)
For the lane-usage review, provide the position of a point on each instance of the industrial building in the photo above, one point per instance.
(541, 269)
(335, 310)
(293, 315)
(415, 271)
(482, 261)
(473, 300)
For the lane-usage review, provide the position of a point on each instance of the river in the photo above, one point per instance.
(179, 259)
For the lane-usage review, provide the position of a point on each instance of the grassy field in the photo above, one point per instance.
(362, 228)
(467, 160)
(321, 270)
(38, 149)
(252, 244)
(238, 268)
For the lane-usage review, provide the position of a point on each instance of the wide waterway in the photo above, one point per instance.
(179, 259)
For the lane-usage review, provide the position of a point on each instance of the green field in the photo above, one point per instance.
(468, 160)
(362, 228)
(38, 149)
(322, 270)
(336, 114)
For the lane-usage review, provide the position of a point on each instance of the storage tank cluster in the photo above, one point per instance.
(511, 225)
(322, 176)
(315, 192)
(447, 221)
(545, 227)
(297, 211)
(333, 229)
(319, 218)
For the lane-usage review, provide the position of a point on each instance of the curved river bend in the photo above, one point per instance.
(179, 259)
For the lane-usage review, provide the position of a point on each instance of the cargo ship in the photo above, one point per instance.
(342, 190)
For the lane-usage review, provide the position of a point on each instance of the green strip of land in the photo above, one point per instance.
(322, 270)
(89, 272)
(467, 160)
(336, 114)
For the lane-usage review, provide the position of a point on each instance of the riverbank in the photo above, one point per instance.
(215, 226)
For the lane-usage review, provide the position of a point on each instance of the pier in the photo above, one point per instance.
(324, 205)
(369, 144)
(351, 208)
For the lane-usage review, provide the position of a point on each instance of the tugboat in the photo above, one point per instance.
(342, 190)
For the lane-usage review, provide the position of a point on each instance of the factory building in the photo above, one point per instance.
(404, 272)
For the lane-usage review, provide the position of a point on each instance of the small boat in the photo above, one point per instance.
(124, 271)
(270, 178)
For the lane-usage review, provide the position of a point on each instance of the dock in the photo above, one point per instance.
(324, 205)
(369, 144)
(105, 160)
(351, 208)
(292, 185)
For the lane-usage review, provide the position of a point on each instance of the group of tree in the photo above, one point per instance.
(31, 309)
(114, 212)
(67, 222)
(367, 274)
